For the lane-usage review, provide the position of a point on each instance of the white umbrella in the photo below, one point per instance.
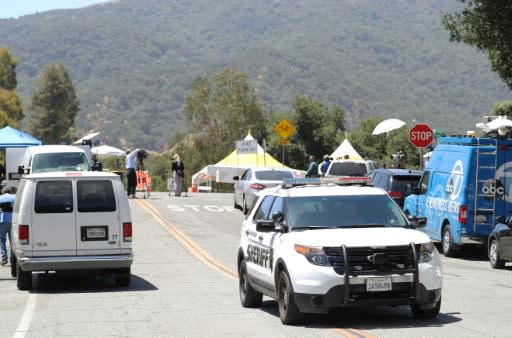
(499, 122)
(105, 150)
(387, 125)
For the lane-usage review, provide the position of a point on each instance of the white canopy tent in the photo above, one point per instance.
(345, 149)
(105, 150)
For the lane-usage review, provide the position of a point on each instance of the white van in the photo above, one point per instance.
(47, 158)
(353, 168)
(71, 221)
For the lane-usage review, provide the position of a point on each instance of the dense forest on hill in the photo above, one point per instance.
(133, 62)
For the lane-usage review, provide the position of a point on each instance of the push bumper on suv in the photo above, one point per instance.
(75, 262)
(344, 285)
(356, 295)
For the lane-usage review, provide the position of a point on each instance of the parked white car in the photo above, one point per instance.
(252, 181)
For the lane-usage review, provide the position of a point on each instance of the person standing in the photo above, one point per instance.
(96, 164)
(178, 172)
(131, 177)
(325, 165)
(313, 167)
(7, 200)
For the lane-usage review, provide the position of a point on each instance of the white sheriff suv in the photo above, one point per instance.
(314, 245)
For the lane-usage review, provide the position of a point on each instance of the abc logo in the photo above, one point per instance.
(493, 188)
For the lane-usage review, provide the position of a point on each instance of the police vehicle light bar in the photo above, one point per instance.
(345, 180)
(295, 182)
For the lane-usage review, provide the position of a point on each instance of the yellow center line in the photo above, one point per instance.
(190, 245)
(213, 263)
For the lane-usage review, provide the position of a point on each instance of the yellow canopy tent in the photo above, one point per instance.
(234, 164)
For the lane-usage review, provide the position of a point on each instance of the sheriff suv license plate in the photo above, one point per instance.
(376, 284)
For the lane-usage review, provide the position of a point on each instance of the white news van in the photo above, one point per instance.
(45, 158)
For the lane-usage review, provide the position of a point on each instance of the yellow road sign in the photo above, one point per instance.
(284, 129)
(284, 141)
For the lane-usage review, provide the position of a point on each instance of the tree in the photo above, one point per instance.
(485, 24)
(54, 106)
(319, 128)
(11, 112)
(221, 109)
(503, 108)
(7, 70)
(381, 148)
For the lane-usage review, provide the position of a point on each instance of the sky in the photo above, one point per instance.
(17, 8)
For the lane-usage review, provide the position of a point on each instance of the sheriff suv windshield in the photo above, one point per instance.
(343, 211)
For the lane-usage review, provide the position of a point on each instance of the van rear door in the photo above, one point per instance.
(53, 219)
(98, 228)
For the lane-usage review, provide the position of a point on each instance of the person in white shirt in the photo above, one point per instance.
(131, 159)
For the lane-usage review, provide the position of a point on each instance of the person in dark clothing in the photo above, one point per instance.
(313, 167)
(96, 164)
(7, 200)
(325, 165)
(178, 172)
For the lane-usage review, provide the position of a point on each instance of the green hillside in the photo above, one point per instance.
(133, 62)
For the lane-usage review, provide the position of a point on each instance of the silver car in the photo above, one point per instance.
(252, 181)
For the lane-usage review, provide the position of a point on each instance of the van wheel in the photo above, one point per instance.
(494, 256)
(13, 265)
(123, 277)
(447, 242)
(24, 278)
(288, 310)
(248, 296)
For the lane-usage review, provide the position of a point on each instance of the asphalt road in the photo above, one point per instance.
(184, 284)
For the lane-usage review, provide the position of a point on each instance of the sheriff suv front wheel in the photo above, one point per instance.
(288, 310)
(248, 296)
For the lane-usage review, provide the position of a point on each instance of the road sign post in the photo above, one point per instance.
(421, 135)
(284, 129)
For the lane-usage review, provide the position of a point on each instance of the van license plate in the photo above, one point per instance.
(376, 284)
(96, 232)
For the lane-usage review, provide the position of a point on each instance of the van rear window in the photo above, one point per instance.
(348, 169)
(96, 196)
(53, 197)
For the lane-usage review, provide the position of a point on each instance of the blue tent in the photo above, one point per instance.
(14, 138)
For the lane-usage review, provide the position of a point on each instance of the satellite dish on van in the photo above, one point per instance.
(87, 137)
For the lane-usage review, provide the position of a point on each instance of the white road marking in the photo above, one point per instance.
(28, 314)
(198, 208)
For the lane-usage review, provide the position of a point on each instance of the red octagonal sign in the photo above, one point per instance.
(421, 135)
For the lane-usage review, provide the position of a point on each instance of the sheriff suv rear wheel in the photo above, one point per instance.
(248, 296)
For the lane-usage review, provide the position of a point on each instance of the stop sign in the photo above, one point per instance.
(421, 135)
